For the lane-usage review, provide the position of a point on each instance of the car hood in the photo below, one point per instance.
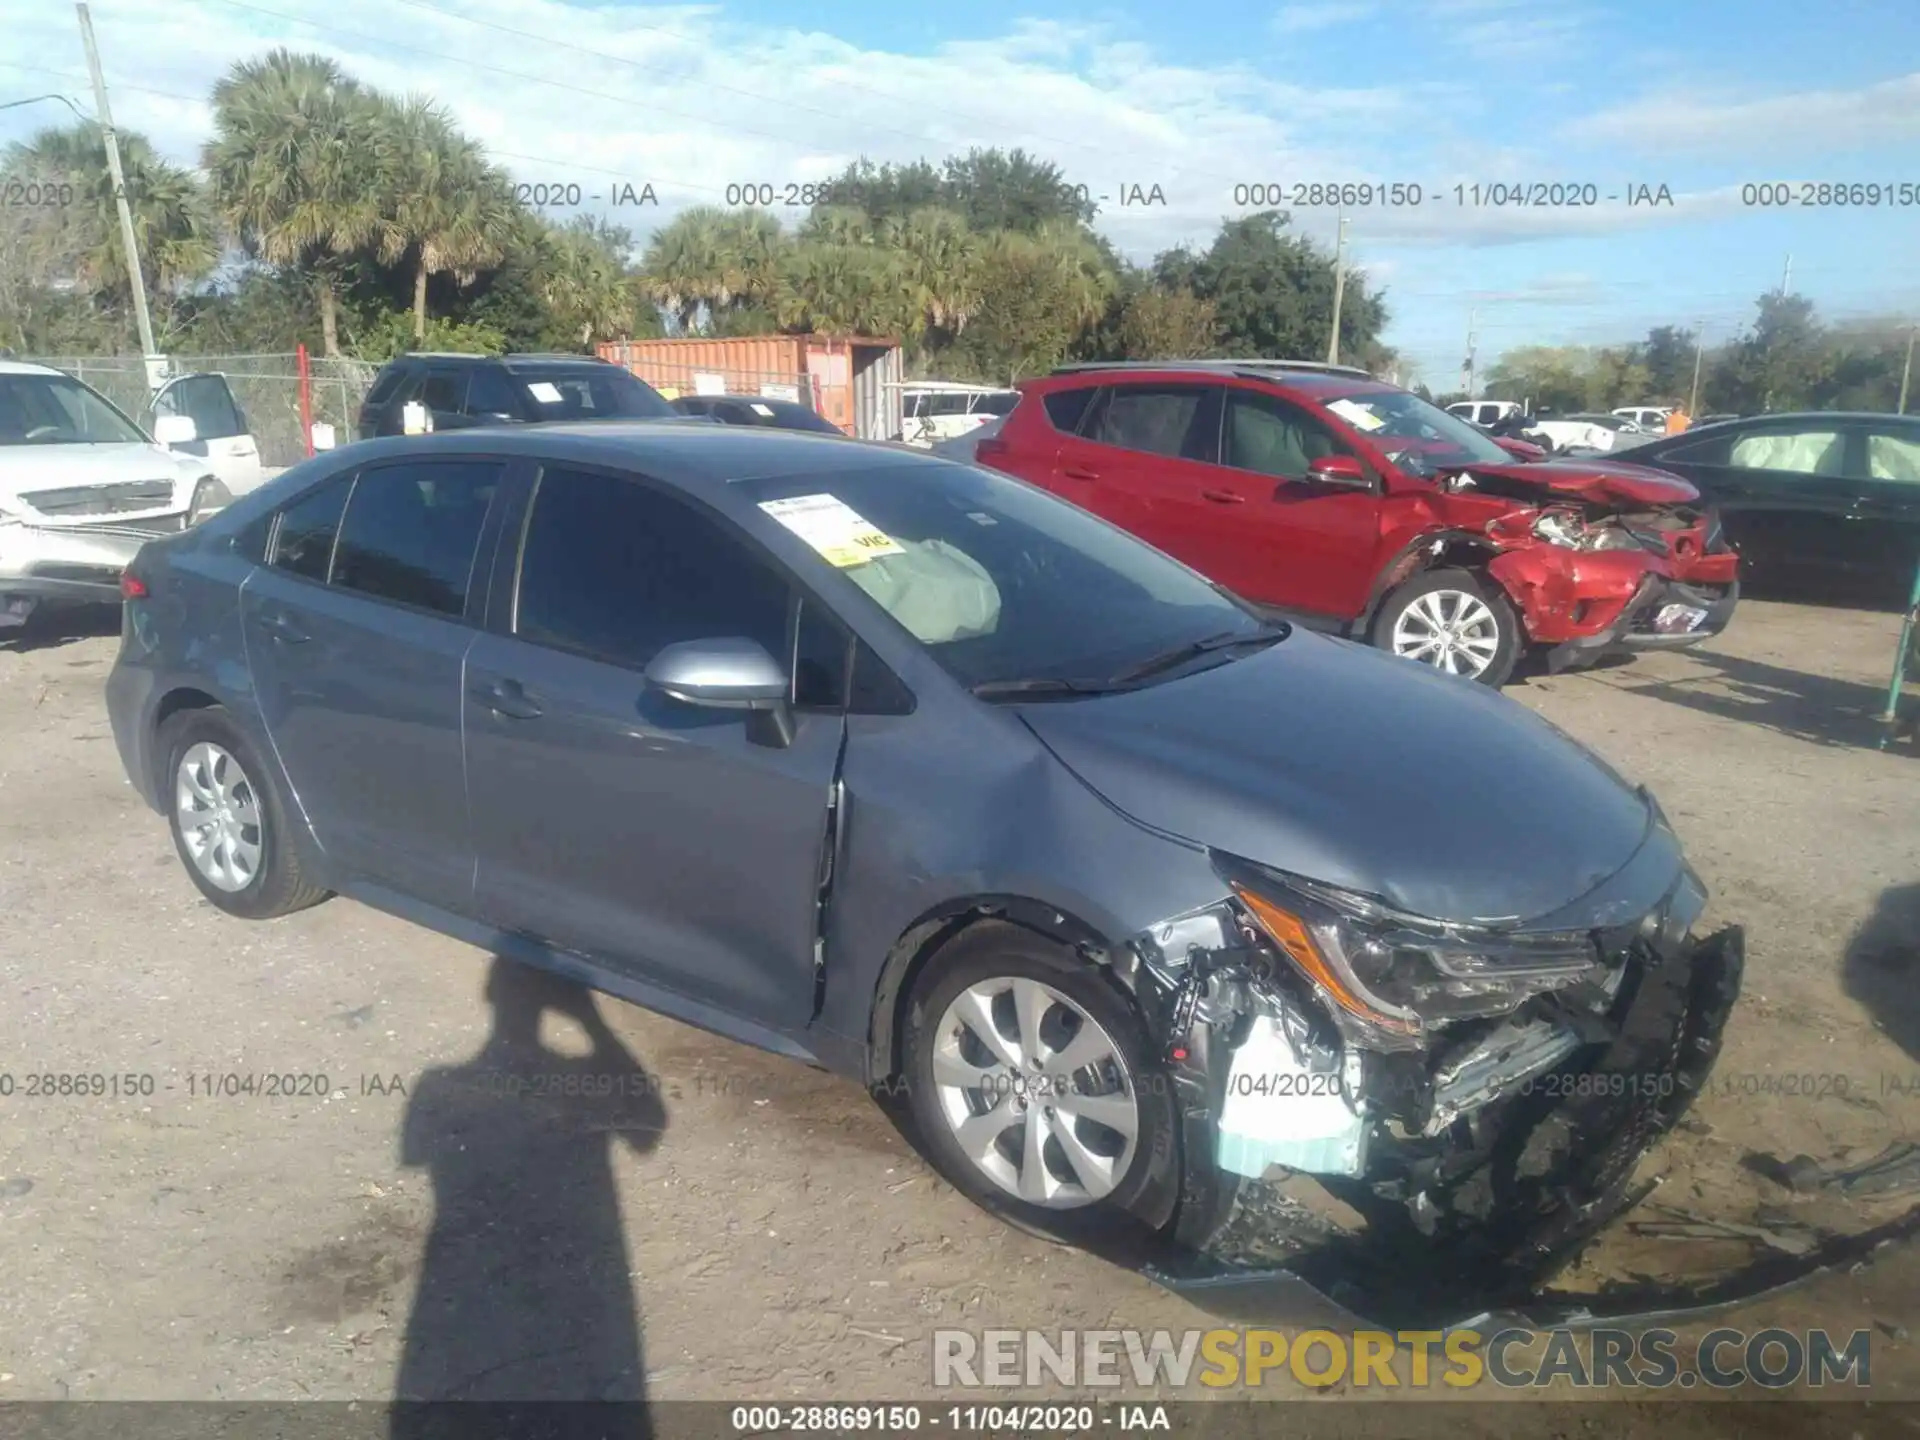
(25, 468)
(1598, 482)
(1332, 761)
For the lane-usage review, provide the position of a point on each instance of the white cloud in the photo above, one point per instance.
(1739, 126)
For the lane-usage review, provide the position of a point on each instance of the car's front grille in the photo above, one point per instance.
(126, 498)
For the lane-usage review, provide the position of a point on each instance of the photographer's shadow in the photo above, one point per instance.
(525, 1292)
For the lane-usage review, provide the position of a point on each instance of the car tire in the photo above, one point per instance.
(1053, 1159)
(242, 856)
(1448, 618)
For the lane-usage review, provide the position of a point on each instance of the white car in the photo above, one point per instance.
(1650, 418)
(935, 410)
(1483, 413)
(1572, 430)
(82, 487)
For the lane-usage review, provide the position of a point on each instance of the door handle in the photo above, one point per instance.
(1079, 472)
(1223, 497)
(280, 626)
(508, 698)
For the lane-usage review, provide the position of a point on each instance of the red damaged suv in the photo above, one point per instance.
(1318, 492)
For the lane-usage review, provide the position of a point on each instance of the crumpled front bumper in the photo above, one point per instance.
(74, 564)
(1588, 604)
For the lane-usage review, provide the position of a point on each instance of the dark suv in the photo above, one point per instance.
(457, 391)
(1354, 505)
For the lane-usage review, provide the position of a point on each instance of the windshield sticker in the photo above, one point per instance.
(1356, 415)
(842, 535)
(544, 391)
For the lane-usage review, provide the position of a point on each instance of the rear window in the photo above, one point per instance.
(591, 392)
(1067, 408)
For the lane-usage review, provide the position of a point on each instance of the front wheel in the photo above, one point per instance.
(1451, 620)
(1032, 1082)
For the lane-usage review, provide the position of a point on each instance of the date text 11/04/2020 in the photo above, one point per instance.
(1475, 195)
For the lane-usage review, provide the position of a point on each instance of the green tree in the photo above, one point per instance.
(293, 165)
(1157, 324)
(1666, 358)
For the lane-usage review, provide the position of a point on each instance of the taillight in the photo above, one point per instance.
(132, 587)
(988, 451)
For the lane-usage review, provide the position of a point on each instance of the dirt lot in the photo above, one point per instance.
(754, 1229)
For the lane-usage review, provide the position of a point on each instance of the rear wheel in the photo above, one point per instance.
(229, 822)
(1032, 1082)
(1451, 620)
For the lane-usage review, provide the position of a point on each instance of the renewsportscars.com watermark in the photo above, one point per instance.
(1725, 1359)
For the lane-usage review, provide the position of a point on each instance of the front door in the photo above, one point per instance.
(655, 837)
(356, 636)
(221, 432)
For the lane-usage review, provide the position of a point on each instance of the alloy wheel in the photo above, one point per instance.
(1451, 630)
(1037, 1094)
(219, 814)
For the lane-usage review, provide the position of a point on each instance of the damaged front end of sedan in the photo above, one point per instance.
(1472, 1099)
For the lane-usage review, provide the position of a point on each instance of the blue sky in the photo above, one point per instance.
(1702, 96)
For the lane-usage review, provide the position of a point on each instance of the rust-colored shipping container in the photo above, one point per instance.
(854, 381)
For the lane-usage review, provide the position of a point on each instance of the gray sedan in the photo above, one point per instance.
(905, 769)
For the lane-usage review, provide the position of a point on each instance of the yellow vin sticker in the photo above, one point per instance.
(841, 534)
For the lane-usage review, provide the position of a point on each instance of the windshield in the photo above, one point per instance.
(592, 392)
(59, 410)
(1001, 582)
(1419, 438)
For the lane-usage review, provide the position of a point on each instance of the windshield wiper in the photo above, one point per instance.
(1043, 685)
(1226, 640)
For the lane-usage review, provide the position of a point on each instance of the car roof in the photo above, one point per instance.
(1308, 377)
(1879, 416)
(27, 367)
(694, 456)
(512, 362)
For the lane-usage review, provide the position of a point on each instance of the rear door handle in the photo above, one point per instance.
(1079, 472)
(1223, 497)
(508, 698)
(280, 626)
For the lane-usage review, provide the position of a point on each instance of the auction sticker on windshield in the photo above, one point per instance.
(544, 391)
(1356, 415)
(841, 534)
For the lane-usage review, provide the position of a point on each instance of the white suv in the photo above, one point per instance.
(82, 488)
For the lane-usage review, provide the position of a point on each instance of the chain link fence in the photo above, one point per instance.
(267, 388)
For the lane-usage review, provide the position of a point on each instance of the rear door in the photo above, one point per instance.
(445, 396)
(1143, 458)
(614, 821)
(222, 434)
(357, 630)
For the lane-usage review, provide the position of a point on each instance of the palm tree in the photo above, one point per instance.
(940, 260)
(292, 163)
(687, 267)
(585, 280)
(441, 202)
(174, 227)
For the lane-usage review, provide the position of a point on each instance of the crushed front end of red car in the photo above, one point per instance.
(1603, 558)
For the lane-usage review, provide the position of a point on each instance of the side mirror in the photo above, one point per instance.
(728, 674)
(1340, 472)
(171, 430)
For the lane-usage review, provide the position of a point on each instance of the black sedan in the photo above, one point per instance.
(757, 410)
(1826, 501)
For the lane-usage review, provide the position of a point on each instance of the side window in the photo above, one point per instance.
(384, 384)
(303, 541)
(208, 402)
(411, 530)
(617, 571)
(1266, 435)
(446, 390)
(876, 690)
(1170, 420)
(821, 651)
(1067, 408)
(1806, 452)
(490, 392)
(1894, 457)
(1710, 451)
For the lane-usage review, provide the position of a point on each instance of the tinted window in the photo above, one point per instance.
(997, 404)
(304, 541)
(1805, 452)
(820, 659)
(490, 392)
(1156, 419)
(384, 384)
(1894, 457)
(446, 390)
(618, 571)
(410, 532)
(1271, 437)
(205, 400)
(1067, 408)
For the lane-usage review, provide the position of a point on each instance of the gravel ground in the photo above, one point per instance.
(730, 1225)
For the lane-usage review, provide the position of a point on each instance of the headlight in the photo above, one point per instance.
(1570, 532)
(1392, 978)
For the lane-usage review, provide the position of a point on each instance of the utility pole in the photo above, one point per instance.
(1699, 348)
(127, 236)
(1786, 275)
(1906, 370)
(1466, 370)
(1339, 289)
